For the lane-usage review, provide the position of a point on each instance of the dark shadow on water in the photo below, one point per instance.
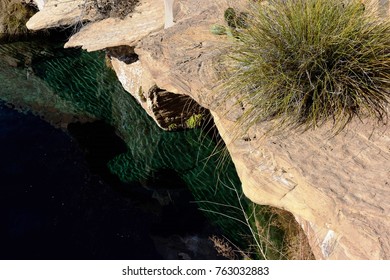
(99, 144)
(55, 204)
(53, 207)
(127, 197)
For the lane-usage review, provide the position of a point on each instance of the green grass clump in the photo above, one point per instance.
(305, 62)
(194, 121)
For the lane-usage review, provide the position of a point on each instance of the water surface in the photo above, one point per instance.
(148, 169)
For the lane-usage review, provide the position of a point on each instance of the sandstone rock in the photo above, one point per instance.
(182, 58)
(147, 18)
(134, 78)
(40, 4)
(379, 7)
(168, 13)
(60, 13)
(336, 187)
(169, 110)
(136, 81)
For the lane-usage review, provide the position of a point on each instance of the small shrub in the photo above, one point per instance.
(172, 127)
(194, 121)
(230, 17)
(218, 29)
(305, 62)
(112, 8)
(13, 17)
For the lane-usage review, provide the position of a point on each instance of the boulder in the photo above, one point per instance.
(147, 18)
(57, 13)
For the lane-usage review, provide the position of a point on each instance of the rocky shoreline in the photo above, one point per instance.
(336, 187)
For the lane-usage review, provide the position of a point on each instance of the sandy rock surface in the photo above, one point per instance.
(147, 18)
(55, 13)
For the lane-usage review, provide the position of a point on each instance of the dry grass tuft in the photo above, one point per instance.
(223, 248)
(278, 234)
(302, 63)
(295, 243)
(13, 17)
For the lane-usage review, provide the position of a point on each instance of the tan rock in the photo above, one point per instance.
(379, 7)
(194, 49)
(40, 3)
(168, 13)
(165, 107)
(56, 13)
(337, 187)
(148, 17)
(135, 80)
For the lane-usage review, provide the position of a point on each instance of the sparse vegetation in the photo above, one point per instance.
(218, 29)
(13, 17)
(112, 8)
(223, 248)
(274, 234)
(280, 236)
(302, 63)
(172, 127)
(233, 22)
(194, 121)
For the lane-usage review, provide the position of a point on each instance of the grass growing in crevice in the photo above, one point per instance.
(271, 233)
(279, 234)
(295, 243)
(194, 121)
(303, 63)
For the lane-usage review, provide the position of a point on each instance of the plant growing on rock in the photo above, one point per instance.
(307, 62)
(194, 121)
(13, 17)
(112, 8)
(233, 22)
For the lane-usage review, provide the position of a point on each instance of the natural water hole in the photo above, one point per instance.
(86, 174)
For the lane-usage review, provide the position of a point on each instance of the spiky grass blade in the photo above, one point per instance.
(307, 62)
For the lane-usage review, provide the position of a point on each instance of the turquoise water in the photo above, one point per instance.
(52, 80)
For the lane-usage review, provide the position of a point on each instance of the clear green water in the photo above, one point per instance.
(77, 83)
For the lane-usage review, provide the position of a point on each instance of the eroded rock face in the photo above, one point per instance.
(182, 58)
(169, 110)
(56, 13)
(336, 187)
(147, 18)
